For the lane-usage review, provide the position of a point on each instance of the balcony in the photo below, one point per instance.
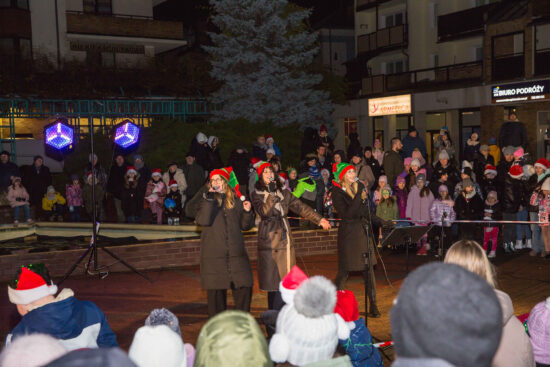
(15, 23)
(424, 78)
(123, 26)
(508, 67)
(385, 39)
(367, 4)
(463, 24)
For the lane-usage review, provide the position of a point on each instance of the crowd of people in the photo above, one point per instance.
(462, 319)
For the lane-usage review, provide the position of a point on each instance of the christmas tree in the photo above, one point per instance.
(261, 55)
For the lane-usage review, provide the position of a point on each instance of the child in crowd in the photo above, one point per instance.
(377, 197)
(18, 197)
(494, 150)
(419, 202)
(327, 201)
(292, 178)
(443, 214)
(74, 198)
(542, 199)
(468, 206)
(411, 177)
(400, 192)
(490, 232)
(53, 204)
(467, 172)
(155, 194)
(539, 332)
(489, 182)
(98, 196)
(172, 203)
(131, 205)
(387, 208)
(378, 152)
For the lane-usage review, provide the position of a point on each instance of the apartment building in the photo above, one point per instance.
(435, 63)
(109, 33)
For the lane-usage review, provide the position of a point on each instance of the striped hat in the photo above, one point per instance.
(228, 175)
(340, 169)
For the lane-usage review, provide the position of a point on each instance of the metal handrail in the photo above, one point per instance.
(128, 16)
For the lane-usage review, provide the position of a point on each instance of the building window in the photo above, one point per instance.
(98, 6)
(21, 4)
(434, 60)
(391, 20)
(478, 53)
(394, 67)
(350, 126)
(378, 129)
(16, 47)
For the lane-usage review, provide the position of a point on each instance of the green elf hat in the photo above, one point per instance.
(340, 169)
(228, 175)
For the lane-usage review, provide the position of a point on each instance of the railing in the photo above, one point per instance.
(469, 71)
(128, 16)
(385, 38)
(507, 67)
(542, 62)
(366, 4)
(463, 23)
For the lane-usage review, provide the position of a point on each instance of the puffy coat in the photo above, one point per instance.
(440, 207)
(223, 258)
(480, 162)
(17, 196)
(543, 202)
(502, 173)
(48, 204)
(492, 211)
(410, 144)
(487, 185)
(7, 171)
(375, 167)
(259, 151)
(512, 133)
(471, 150)
(388, 212)
(451, 171)
(364, 173)
(116, 179)
(512, 195)
(418, 208)
(469, 208)
(359, 347)
(74, 195)
(459, 189)
(275, 245)
(158, 188)
(401, 196)
(180, 179)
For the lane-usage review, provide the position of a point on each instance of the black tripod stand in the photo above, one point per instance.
(368, 272)
(93, 247)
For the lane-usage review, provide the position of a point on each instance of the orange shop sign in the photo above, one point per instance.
(394, 105)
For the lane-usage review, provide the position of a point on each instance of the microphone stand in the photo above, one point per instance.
(368, 272)
(441, 237)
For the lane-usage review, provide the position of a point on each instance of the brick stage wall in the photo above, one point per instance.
(160, 255)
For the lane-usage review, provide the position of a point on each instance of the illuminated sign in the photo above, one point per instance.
(394, 105)
(521, 92)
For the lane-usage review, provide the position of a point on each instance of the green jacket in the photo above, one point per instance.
(387, 212)
(393, 166)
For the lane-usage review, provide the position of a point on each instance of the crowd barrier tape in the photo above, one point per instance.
(449, 221)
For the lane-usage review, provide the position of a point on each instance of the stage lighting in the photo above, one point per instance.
(58, 138)
(126, 134)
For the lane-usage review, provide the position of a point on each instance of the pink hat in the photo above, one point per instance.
(421, 171)
(399, 179)
(538, 325)
(519, 153)
(408, 161)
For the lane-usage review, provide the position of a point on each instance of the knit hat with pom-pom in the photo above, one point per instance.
(308, 330)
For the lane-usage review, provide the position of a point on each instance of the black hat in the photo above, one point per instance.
(173, 163)
(5, 152)
(412, 128)
(368, 149)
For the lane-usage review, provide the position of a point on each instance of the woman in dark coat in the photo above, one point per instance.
(130, 197)
(36, 180)
(349, 199)
(275, 245)
(224, 262)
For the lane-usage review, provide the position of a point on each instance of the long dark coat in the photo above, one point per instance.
(132, 201)
(36, 182)
(275, 244)
(223, 257)
(352, 239)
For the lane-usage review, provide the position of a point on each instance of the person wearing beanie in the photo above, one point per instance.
(514, 347)
(411, 142)
(401, 194)
(373, 163)
(481, 160)
(488, 180)
(88, 198)
(32, 351)
(443, 215)
(538, 324)
(349, 198)
(471, 148)
(18, 198)
(224, 263)
(308, 330)
(533, 183)
(386, 209)
(393, 160)
(73, 193)
(157, 346)
(232, 338)
(359, 346)
(468, 206)
(494, 150)
(444, 166)
(53, 205)
(491, 212)
(36, 178)
(512, 201)
(377, 195)
(419, 202)
(173, 203)
(275, 242)
(411, 177)
(270, 142)
(467, 172)
(541, 198)
(457, 321)
(155, 193)
(444, 143)
(115, 184)
(76, 324)
(132, 202)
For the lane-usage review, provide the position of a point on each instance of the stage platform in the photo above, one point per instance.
(127, 299)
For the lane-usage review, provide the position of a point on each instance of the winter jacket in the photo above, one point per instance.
(515, 349)
(116, 179)
(480, 162)
(194, 176)
(156, 192)
(48, 204)
(87, 198)
(512, 133)
(359, 347)
(530, 186)
(214, 157)
(104, 357)
(240, 163)
(401, 196)
(192, 205)
(325, 165)
(74, 195)
(76, 324)
(388, 212)
(223, 258)
(375, 167)
(453, 175)
(100, 174)
(364, 173)
(471, 149)
(180, 179)
(275, 148)
(410, 144)
(502, 173)
(459, 189)
(469, 208)
(352, 239)
(7, 171)
(512, 195)
(275, 244)
(259, 151)
(418, 208)
(440, 208)
(494, 151)
(36, 181)
(202, 156)
(393, 166)
(543, 202)
(487, 185)
(174, 212)
(492, 211)
(132, 201)
(17, 196)
(447, 146)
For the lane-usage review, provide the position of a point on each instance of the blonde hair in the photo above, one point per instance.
(350, 188)
(471, 256)
(229, 196)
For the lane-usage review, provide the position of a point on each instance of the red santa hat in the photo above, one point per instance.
(543, 163)
(156, 172)
(173, 183)
(88, 175)
(323, 128)
(347, 307)
(31, 284)
(516, 171)
(131, 169)
(489, 168)
(283, 175)
(267, 136)
(228, 175)
(290, 283)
